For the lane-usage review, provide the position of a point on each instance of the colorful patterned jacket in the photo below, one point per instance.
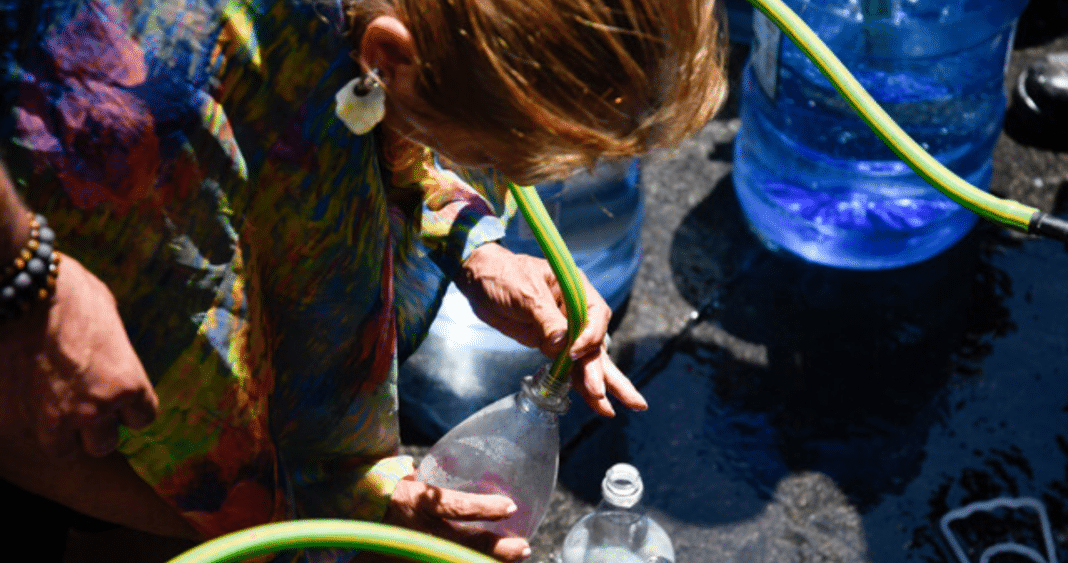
(270, 266)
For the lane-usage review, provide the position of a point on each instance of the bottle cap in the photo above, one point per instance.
(622, 485)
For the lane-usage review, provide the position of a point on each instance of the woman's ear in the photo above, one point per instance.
(387, 46)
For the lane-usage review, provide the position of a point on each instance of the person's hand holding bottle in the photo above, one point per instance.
(519, 295)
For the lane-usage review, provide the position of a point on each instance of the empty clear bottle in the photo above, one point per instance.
(619, 530)
(510, 448)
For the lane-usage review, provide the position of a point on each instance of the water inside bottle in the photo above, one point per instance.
(511, 448)
(578, 547)
(471, 457)
(814, 179)
(619, 530)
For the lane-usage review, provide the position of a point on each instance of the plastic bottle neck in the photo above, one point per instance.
(622, 487)
(532, 393)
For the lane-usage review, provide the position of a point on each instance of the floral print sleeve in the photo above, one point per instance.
(460, 210)
(440, 217)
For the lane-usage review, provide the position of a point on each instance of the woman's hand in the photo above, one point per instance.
(519, 296)
(440, 512)
(69, 373)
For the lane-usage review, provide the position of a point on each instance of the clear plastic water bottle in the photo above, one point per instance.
(619, 530)
(512, 448)
(815, 180)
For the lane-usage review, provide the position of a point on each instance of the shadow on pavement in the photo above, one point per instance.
(793, 367)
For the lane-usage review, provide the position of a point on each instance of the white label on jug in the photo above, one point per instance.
(765, 58)
(1008, 51)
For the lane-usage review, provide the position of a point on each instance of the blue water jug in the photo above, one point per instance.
(815, 180)
(739, 21)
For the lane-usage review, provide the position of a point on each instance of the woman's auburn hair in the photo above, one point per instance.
(570, 81)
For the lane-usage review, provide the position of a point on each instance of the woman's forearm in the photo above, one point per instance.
(105, 488)
(102, 487)
(14, 219)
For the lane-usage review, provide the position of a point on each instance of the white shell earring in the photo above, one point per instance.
(361, 104)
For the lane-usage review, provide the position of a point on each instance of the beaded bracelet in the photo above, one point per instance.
(31, 277)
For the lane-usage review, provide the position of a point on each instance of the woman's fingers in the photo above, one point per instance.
(592, 388)
(446, 513)
(511, 549)
(414, 499)
(597, 377)
(520, 296)
(100, 437)
(455, 505)
(598, 315)
(621, 387)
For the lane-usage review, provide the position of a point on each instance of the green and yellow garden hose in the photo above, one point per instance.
(567, 275)
(326, 533)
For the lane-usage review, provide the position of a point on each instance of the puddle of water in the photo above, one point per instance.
(1004, 429)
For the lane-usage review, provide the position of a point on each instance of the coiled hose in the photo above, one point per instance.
(326, 533)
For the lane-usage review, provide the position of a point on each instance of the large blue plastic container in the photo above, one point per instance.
(739, 21)
(813, 179)
(464, 364)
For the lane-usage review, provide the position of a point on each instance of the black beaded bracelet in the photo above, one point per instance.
(30, 277)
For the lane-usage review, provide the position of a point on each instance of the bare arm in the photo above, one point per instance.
(14, 219)
(68, 377)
